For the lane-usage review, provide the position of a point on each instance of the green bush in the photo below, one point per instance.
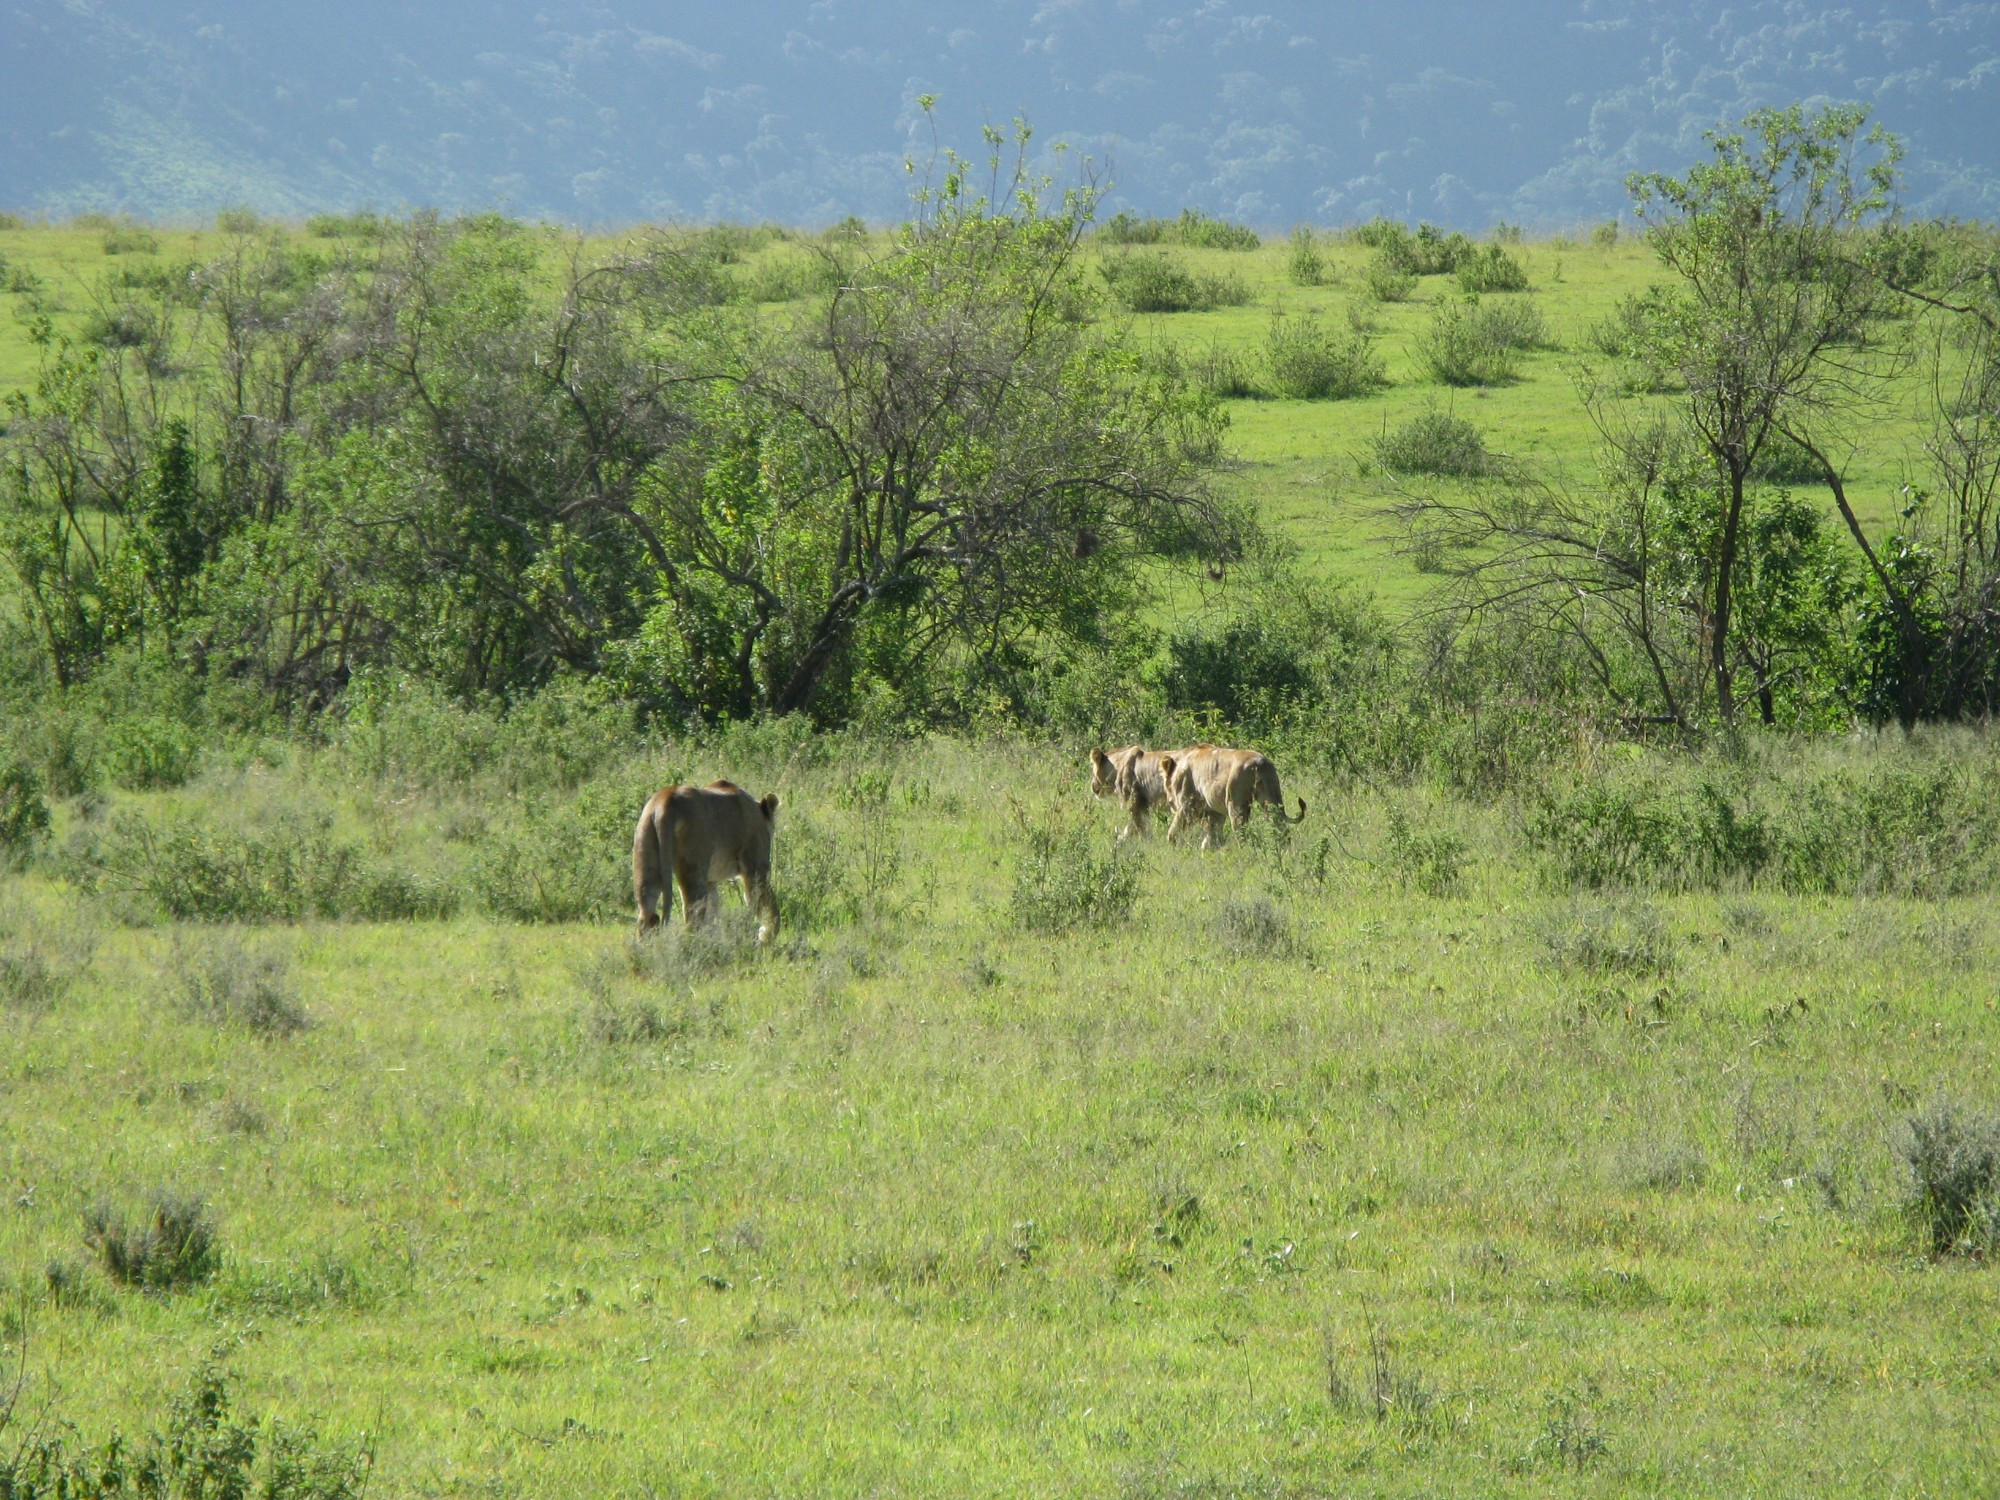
(227, 984)
(562, 857)
(202, 1454)
(1127, 228)
(1431, 863)
(24, 812)
(130, 239)
(1062, 881)
(1159, 283)
(1954, 1164)
(1198, 231)
(148, 752)
(1782, 461)
(192, 872)
(1311, 362)
(1926, 830)
(1437, 443)
(1385, 281)
(1305, 266)
(1488, 268)
(1474, 343)
(1604, 939)
(172, 1246)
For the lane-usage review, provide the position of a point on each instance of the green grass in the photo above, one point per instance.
(930, 1205)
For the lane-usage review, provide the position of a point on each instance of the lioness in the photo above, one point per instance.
(700, 834)
(1211, 782)
(1136, 777)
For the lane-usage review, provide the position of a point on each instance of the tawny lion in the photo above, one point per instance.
(1136, 777)
(1210, 782)
(697, 835)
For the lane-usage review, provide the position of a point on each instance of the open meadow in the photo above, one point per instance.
(1580, 1100)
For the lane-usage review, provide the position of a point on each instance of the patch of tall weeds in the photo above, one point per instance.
(173, 1244)
(1953, 1157)
(1067, 874)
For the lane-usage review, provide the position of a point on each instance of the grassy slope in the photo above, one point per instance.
(937, 1170)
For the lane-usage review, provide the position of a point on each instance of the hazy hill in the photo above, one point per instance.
(802, 110)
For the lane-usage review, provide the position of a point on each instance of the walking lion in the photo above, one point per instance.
(700, 836)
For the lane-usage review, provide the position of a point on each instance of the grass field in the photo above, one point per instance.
(1302, 1182)
(1379, 1158)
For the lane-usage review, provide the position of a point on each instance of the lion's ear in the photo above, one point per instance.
(1167, 764)
(1098, 759)
(770, 805)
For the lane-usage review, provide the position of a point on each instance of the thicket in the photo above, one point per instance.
(470, 454)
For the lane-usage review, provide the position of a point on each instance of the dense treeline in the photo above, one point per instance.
(481, 457)
(941, 483)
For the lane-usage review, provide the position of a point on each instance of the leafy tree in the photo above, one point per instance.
(941, 465)
(1762, 236)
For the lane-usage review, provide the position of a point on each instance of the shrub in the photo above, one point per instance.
(1782, 461)
(787, 277)
(1611, 939)
(1605, 235)
(1387, 282)
(364, 225)
(24, 813)
(561, 858)
(1060, 880)
(1306, 265)
(1515, 322)
(1488, 268)
(227, 984)
(203, 1454)
(1954, 1163)
(194, 873)
(1257, 928)
(28, 980)
(172, 1246)
(1159, 283)
(147, 752)
(1197, 230)
(1466, 345)
(239, 218)
(130, 239)
(1127, 228)
(1432, 863)
(1435, 442)
(1570, 1437)
(1311, 362)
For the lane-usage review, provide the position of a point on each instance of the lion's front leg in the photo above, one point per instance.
(758, 896)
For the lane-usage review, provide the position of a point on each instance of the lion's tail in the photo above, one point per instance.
(653, 861)
(1267, 779)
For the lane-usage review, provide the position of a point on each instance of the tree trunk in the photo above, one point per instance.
(1725, 572)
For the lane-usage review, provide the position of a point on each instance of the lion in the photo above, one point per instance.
(1136, 777)
(1211, 782)
(697, 835)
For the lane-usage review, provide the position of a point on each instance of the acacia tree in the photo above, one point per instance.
(940, 464)
(1767, 330)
